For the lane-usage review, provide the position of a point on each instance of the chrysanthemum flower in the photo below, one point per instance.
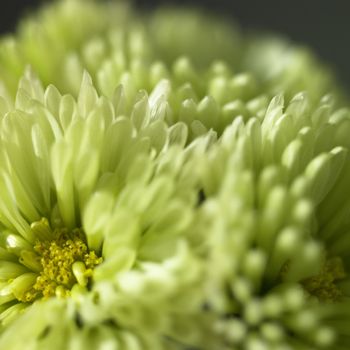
(159, 192)
(90, 205)
(283, 280)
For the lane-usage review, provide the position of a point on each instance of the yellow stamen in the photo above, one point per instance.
(324, 285)
(57, 258)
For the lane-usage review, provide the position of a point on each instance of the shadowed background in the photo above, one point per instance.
(323, 25)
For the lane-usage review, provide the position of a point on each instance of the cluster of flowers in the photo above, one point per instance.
(168, 183)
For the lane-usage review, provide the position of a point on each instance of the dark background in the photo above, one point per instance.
(323, 25)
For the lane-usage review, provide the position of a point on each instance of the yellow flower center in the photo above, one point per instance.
(324, 285)
(64, 262)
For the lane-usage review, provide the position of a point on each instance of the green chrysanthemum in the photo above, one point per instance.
(283, 280)
(87, 196)
(157, 191)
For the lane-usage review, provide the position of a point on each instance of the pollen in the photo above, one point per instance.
(65, 261)
(324, 285)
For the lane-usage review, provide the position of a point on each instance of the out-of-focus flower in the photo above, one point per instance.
(159, 192)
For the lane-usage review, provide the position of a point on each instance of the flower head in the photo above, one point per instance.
(159, 192)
